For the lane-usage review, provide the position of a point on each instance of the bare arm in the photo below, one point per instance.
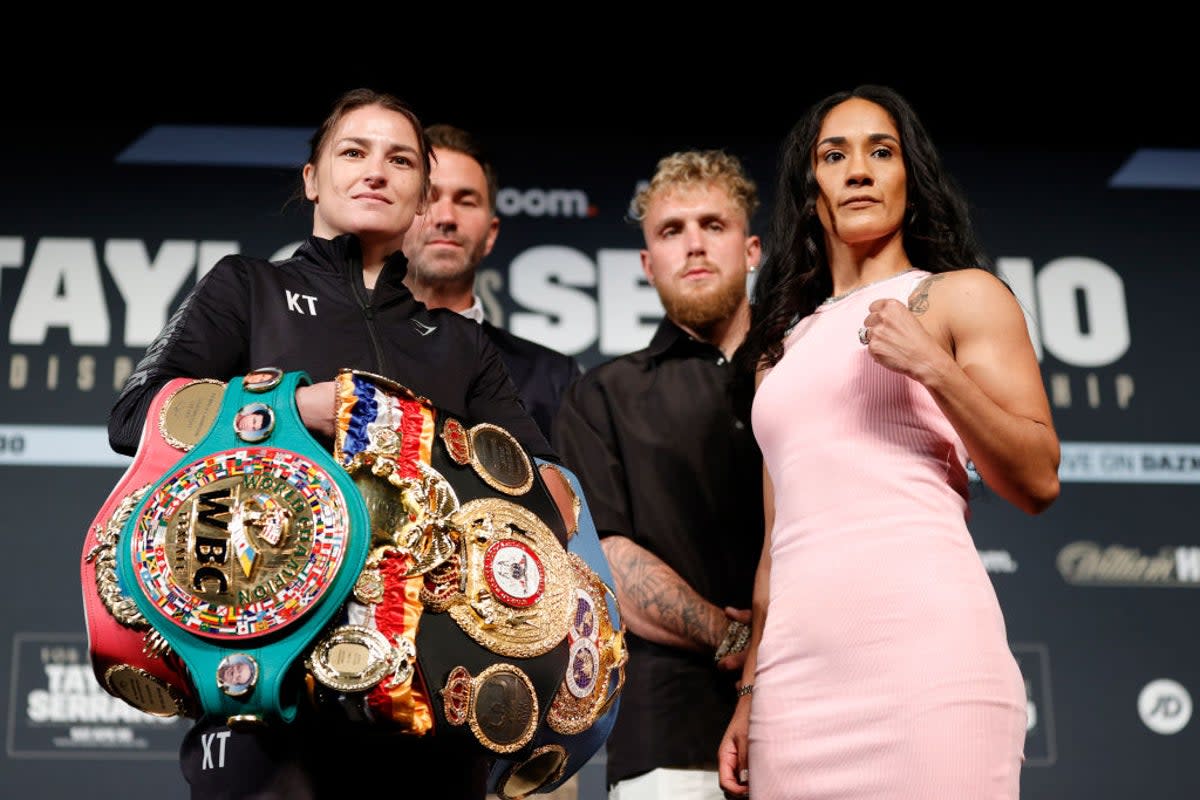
(964, 338)
(733, 753)
(657, 604)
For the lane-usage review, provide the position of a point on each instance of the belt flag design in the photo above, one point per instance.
(130, 659)
(241, 555)
(420, 579)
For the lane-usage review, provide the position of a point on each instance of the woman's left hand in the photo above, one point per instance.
(899, 341)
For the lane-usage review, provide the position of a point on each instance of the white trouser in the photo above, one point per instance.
(670, 784)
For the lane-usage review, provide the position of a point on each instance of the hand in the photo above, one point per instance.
(562, 493)
(896, 339)
(735, 660)
(315, 403)
(733, 754)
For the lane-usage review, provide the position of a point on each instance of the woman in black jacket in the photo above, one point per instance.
(338, 302)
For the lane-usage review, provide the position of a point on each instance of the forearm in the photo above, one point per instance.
(657, 604)
(758, 606)
(1016, 455)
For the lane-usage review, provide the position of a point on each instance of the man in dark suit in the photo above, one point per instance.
(445, 246)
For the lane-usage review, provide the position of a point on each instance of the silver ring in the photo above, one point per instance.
(864, 334)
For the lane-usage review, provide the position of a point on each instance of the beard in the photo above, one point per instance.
(446, 269)
(700, 310)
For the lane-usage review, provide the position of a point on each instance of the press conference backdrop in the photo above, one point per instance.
(1100, 592)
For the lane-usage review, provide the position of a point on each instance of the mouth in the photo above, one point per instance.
(374, 197)
(859, 201)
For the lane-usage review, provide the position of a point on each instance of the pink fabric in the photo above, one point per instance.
(884, 669)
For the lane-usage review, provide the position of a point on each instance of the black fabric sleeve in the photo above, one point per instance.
(584, 437)
(494, 399)
(206, 337)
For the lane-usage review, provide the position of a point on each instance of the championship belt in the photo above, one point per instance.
(130, 659)
(245, 549)
(584, 708)
(471, 607)
(465, 592)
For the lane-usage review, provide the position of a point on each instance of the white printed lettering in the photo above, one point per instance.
(629, 305)
(148, 286)
(541, 278)
(62, 289)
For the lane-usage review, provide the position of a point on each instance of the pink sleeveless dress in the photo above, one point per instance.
(884, 670)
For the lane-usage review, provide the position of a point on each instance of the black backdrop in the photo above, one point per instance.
(97, 246)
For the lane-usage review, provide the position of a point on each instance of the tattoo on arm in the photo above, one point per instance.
(665, 598)
(918, 302)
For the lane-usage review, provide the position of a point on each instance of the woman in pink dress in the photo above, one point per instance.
(886, 355)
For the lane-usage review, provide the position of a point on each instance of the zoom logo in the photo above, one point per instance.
(544, 203)
(1165, 706)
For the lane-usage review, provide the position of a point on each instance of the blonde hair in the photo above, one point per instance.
(699, 167)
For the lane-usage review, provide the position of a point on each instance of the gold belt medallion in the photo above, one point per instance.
(597, 652)
(494, 453)
(499, 704)
(518, 581)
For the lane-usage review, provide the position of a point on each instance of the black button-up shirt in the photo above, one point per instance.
(664, 461)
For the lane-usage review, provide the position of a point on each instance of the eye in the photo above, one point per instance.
(715, 226)
(882, 152)
(832, 156)
(352, 152)
(402, 161)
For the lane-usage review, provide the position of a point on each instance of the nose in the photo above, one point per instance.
(858, 172)
(694, 239)
(441, 211)
(376, 171)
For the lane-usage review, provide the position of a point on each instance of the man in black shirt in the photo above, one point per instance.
(674, 481)
(445, 246)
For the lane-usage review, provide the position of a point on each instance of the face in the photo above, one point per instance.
(860, 173)
(698, 253)
(457, 230)
(367, 179)
(236, 673)
(250, 422)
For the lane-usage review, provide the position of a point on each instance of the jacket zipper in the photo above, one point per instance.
(368, 313)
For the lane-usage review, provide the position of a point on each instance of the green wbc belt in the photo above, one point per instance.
(244, 550)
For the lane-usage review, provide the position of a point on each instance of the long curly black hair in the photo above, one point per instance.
(938, 234)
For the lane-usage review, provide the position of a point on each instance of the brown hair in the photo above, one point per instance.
(358, 98)
(448, 137)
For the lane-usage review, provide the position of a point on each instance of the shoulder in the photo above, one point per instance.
(968, 300)
(509, 342)
(960, 290)
(449, 322)
(961, 282)
(616, 374)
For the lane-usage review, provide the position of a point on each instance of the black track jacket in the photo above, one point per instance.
(312, 312)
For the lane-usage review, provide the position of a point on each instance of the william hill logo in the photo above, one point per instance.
(1092, 564)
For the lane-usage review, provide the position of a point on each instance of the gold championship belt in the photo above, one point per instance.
(130, 658)
(465, 619)
(244, 550)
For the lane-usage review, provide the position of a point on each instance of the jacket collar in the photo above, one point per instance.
(343, 255)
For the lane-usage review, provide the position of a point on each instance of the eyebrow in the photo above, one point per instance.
(703, 219)
(365, 142)
(874, 137)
